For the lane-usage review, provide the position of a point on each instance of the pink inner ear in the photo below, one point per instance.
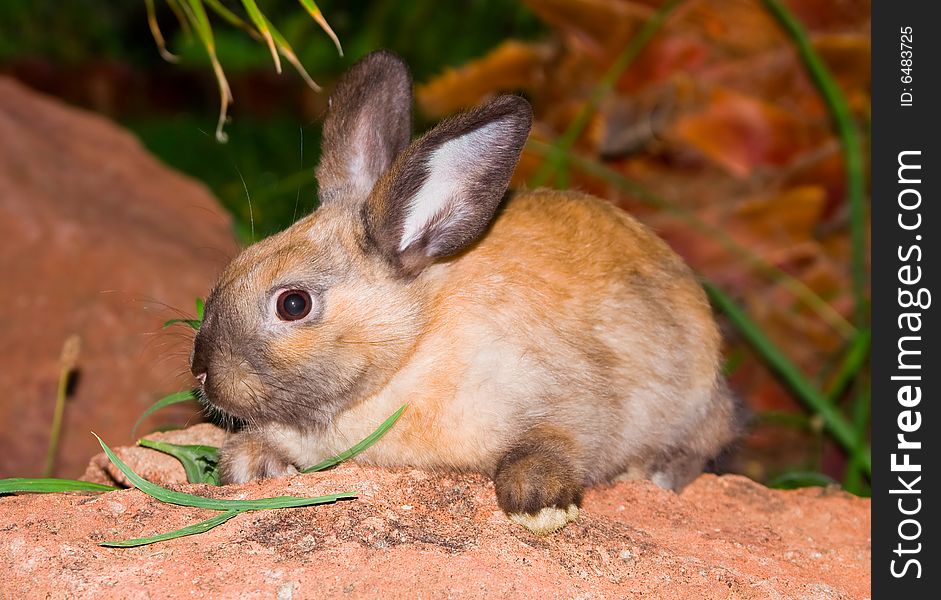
(443, 199)
(446, 187)
(357, 169)
(368, 124)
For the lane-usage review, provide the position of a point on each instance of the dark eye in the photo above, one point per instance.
(293, 305)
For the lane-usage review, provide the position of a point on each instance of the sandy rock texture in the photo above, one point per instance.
(102, 241)
(411, 534)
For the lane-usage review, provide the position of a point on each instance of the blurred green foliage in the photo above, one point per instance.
(261, 162)
(265, 154)
(429, 34)
(70, 32)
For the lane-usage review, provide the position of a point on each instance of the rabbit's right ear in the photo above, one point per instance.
(443, 192)
(369, 122)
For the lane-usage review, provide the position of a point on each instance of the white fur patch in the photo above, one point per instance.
(240, 468)
(450, 168)
(662, 480)
(547, 520)
(357, 175)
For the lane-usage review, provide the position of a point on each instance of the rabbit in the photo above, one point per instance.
(544, 338)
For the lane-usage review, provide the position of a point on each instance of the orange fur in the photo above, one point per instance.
(554, 333)
(565, 289)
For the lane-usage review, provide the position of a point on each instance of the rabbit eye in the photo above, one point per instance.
(293, 305)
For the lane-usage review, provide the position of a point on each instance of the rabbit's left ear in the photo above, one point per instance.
(368, 124)
(443, 191)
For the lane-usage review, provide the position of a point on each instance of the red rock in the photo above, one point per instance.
(414, 534)
(99, 238)
(150, 464)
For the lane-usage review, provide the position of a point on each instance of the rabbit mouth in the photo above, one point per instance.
(234, 390)
(246, 398)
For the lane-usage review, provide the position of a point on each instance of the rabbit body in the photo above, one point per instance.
(547, 339)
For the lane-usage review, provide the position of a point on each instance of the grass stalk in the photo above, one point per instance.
(851, 366)
(50, 485)
(317, 15)
(558, 157)
(194, 529)
(183, 499)
(67, 364)
(841, 430)
(157, 34)
(849, 136)
(852, 150)
(175, 398)
(365, 443)
(862, 411)
(261, 25)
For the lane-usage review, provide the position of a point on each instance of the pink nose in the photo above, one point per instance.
(201, 377)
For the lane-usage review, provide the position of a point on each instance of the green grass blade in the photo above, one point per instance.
(368, 441)
(284, 48)
(852, 364)
(261, 23)
(201, 527)
(852, 149)
(314, 11)
(157, 34)
(196, 13)
(798, 479)
(198, 19)
(184, 499)
(164, 402)
(192, 323)
(862, 415)
(232, 18)
(834, 421)
(49, 485)
(288, 53)
(201, 463)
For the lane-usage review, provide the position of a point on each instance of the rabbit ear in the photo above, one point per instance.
(444, 190)
(368, 124)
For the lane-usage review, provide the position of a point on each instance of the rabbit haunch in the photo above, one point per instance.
(545, 338)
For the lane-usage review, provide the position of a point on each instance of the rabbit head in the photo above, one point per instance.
(306, 322)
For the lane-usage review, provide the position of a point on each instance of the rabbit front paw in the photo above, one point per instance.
(247, 456)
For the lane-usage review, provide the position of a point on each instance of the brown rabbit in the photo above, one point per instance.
(549, 340)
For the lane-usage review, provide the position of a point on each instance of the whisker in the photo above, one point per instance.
(251, 214)
(297, 200)
(385, 340)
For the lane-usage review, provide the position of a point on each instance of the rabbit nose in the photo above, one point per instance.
(201, 378)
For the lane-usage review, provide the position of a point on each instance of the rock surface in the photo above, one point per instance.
(99, 241)
(414, 534)
(152, 466)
